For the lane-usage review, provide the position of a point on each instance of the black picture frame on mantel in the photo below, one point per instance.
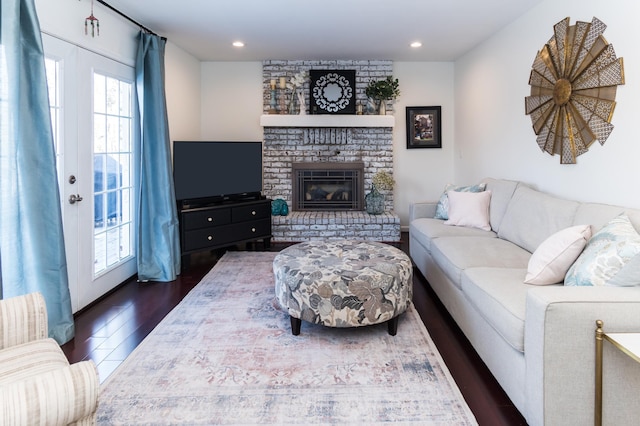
(424, 127)
(332, 91)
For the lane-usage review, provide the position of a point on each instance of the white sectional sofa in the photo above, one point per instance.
(538, 341)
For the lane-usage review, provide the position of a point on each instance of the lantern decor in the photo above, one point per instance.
(573, 89)
(95, 23)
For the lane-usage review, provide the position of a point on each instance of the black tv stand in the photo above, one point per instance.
(223, 223)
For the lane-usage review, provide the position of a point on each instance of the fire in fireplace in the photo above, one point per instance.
(328, 186)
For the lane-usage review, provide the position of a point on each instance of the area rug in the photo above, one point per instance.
(226, 355)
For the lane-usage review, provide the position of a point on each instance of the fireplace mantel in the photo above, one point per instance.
(326, 120)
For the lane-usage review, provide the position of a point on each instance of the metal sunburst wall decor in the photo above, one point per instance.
(573, 89)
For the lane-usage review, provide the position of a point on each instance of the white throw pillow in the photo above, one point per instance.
(442, 208)
(553, 258)
(469, 209)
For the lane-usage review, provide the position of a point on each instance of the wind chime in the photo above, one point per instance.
(95, 23)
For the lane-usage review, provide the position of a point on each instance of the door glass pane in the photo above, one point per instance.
(126, 201)
(113, 209)
(113, 96)
(125, 99)
(125, 161)
(99, 132)
(52, 68)
(125, 241)
(125, 140)
(113, 134)
(99, 93)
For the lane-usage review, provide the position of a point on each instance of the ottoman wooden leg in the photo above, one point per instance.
(392, 325)
(295, 325)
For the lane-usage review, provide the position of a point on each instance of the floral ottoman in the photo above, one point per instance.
(343, 283)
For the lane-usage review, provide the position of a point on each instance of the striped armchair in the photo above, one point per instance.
(37, 384)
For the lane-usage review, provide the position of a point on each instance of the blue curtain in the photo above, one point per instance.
(158, 238)
(31, 238)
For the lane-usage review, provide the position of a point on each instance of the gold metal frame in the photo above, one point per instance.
(573, 89)
(598, 401)
(618, 340)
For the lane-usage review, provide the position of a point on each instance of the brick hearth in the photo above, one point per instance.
(304, 226)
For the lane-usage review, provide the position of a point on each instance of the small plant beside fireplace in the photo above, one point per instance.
(374, 200)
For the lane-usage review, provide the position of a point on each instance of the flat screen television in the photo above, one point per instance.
(210, 171)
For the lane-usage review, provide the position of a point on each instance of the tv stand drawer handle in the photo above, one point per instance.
(253, 213)
(253, 229)
(210, 237)
(209, 219)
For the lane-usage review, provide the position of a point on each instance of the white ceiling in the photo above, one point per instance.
(325, 29)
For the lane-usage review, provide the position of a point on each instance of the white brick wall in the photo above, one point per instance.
(284, 146)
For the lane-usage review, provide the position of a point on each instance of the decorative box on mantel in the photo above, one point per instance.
(326, 120)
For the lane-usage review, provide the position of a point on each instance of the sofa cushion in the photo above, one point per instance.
(442, 209)
(629, 275)
(469, 209)
(501, 192)
(598, 215)
(455, 254)
(613, 250)
(425, 229)
(532, 216)
(499, 295)
(30, 360)
(553, 258)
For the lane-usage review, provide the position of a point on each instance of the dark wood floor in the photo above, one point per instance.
(110, 329)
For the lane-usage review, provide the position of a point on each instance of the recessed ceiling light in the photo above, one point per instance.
(416, 44)
(238, 44)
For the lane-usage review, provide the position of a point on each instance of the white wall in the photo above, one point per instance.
(422, 173)
(231, 101)
(494, 137)
(182, 89)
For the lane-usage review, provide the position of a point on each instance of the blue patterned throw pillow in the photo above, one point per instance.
(611, 257)
(442, 209)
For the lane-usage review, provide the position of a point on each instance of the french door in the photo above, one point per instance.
(92, 112)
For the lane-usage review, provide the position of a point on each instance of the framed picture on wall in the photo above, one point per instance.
(424, 127)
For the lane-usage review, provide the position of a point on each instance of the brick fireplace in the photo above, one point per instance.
(327, 148)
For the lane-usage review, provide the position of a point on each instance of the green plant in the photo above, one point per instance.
(386, 89)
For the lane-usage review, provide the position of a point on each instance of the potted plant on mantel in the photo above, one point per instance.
(382, 91)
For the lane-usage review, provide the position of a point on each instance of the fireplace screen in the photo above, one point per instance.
(328, 186)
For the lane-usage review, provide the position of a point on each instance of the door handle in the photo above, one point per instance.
(74, 198)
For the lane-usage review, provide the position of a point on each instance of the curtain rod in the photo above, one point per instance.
(102, 2)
